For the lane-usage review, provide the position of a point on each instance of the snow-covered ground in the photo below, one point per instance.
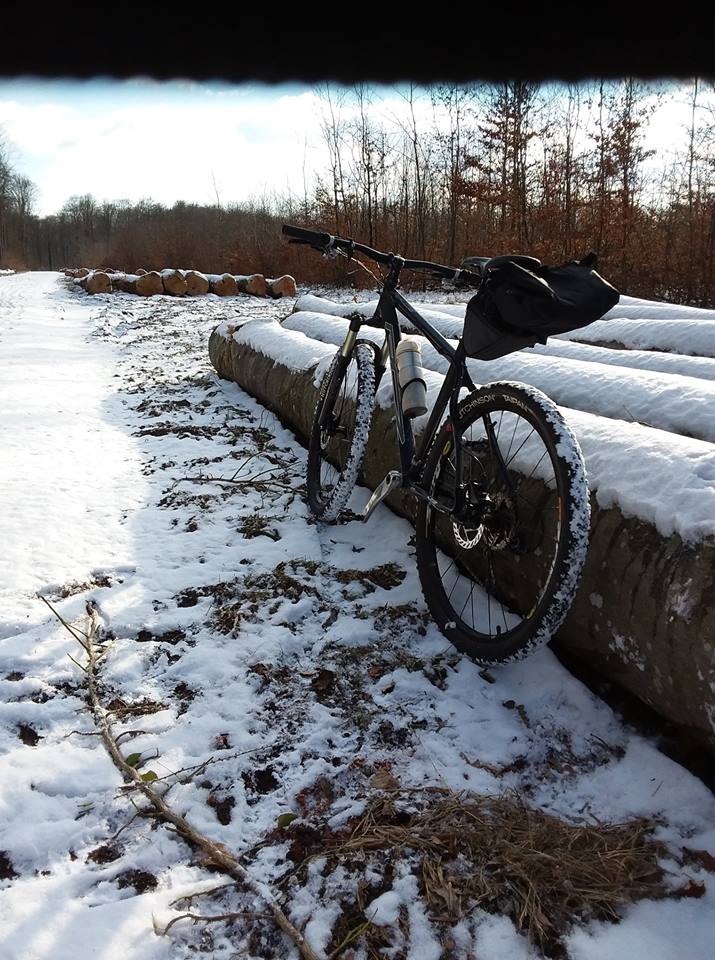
(296, 661)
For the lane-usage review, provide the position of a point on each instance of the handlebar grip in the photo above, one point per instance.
(301, 235)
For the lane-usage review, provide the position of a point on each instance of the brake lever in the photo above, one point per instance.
(313, 246)
(330, 252)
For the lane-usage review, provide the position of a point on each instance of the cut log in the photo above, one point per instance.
(174, 283)
(196, 283)
(140, 272)
(255, 285)
(97, 282)
(149, 284)
(644, 614)
(224, 285)
(283, 286)
(126, 282)
(81, 272)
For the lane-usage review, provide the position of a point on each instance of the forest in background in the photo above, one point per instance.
(515, 167)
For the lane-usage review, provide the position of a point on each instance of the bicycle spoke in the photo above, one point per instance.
(516, 424)
(537, 464)
(507, 462)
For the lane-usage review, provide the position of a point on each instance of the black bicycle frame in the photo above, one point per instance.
(412, 462)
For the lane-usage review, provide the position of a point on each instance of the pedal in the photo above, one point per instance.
(391, 481)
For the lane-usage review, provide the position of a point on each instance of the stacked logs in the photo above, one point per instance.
(180, 283)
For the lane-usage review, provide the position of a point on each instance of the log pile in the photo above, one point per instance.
(180, 283)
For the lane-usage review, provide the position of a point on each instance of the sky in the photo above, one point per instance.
(183, 140)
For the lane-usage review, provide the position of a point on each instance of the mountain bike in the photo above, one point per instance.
(503, 508)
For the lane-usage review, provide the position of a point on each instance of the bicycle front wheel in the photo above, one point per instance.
(500, 580)
(340, 430)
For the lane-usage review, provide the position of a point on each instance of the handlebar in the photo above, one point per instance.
(301, 235)
(327, 244)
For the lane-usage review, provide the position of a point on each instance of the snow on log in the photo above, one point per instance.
(140, 272)
(655, 360)
(447, 324)
(694, 337)
(174, 283)
(283, 286)
(197, 283)
(149, 284)
(126, 282)
(644, 614)
(223, 285)
(637, 308)
(686, 331)
(681, 404)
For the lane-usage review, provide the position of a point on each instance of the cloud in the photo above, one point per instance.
(161, 144)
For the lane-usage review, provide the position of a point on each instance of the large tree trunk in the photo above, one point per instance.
(283, 286)
(224, 285)
(256, 285)
(174, 284)
(196, 283)
(149, 284)
(126, 282)
(96, 282)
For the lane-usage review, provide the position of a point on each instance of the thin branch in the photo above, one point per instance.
(76, 662)
(210, 919)
(77, 634)
(139, 813)
(202, 893)
(215, 854)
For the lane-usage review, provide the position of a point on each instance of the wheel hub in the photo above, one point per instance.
(497, 526)
(502, 525)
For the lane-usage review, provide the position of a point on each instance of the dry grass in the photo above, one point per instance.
(500, 854)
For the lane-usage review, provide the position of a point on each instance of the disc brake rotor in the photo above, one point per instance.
(465, 537)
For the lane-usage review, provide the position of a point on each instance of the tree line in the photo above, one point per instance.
(549, 170)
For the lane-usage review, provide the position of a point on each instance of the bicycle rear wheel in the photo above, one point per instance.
(337, 447)
(500, 582)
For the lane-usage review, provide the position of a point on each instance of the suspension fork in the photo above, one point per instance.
(343, 361)
(459, 487)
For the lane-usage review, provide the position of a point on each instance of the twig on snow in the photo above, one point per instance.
(215, 854)
(187, 898)
(208, 919)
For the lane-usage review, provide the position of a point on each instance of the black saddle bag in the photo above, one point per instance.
(516, 307)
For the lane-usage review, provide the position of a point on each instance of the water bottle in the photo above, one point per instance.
(413, 388)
